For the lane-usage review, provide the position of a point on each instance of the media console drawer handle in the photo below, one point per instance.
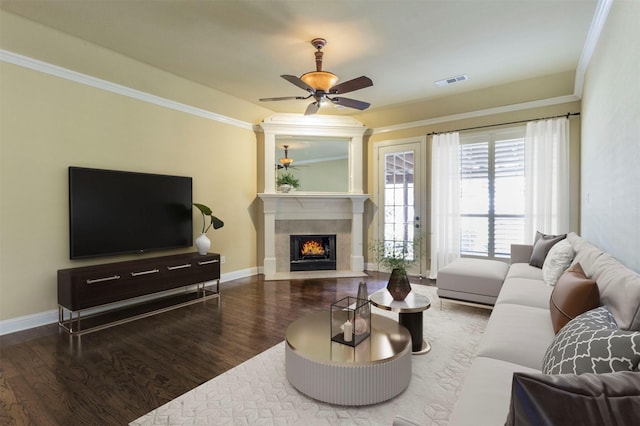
(150, 271)
(173, 268)
(100, 280)
(207, 262)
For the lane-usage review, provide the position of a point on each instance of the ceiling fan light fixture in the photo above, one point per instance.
(286, 162)
(320, 80)
(321, 85)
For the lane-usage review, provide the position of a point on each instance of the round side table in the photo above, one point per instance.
(409, 314)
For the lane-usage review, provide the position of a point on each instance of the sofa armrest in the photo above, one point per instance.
(521, 253)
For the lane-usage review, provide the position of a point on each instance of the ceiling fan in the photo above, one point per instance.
(321, 85)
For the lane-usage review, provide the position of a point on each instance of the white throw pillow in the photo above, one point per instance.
(557, 261)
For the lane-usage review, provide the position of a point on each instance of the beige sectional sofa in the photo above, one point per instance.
(520, 330)
(520, 345)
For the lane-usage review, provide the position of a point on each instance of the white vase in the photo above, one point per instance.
(203, 243)
(285, 187)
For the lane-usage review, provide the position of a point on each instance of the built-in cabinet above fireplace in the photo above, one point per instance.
(306, 211)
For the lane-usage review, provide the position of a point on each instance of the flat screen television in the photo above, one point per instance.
(116, 212)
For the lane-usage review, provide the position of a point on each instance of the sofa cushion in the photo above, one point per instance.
(526, 292)
(484, 398)
(619, 290)
(518, 334)
(586, 253)
(465, 276)
(557, 261)
(573, 295)
(592, 343)
(541, 247)
(568, 399)
(524, 270)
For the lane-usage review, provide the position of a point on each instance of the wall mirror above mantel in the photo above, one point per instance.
(320, 163)
(326, 152)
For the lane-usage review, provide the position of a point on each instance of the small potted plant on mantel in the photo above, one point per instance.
(286, 181)
(203, 242)
(397, 259)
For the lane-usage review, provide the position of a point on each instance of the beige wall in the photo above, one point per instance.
(611, 137)
(49, 123)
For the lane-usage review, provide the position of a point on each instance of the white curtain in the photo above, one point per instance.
(546, 177)
(445, 201)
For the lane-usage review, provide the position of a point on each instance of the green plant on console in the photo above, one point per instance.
(206, 211)
(287, 178)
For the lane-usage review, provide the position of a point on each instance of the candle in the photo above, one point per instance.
(348, 331)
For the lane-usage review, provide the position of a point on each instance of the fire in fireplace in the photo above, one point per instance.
(312, 252)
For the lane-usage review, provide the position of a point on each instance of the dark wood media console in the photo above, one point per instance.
(83, 288)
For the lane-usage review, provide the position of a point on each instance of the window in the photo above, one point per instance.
(492, 204)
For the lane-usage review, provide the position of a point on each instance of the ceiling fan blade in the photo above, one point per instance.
(351, 103)
(312, 108)
(301, 84)
(284, 98)
(351, 85)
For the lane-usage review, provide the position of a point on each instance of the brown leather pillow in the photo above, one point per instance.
(568, 399)
(573, 295)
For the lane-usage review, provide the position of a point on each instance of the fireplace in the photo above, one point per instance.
(299, 213)
(312, 252)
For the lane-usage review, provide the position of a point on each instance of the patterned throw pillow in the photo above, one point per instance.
(592, 343)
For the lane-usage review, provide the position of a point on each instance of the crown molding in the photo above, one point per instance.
(597, 24)
(56, 71)
(479, 113)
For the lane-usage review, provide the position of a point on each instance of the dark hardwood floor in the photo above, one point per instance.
(116, 375)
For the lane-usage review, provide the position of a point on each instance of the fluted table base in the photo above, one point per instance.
(374, 371)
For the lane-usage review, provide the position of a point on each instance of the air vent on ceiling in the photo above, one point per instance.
(451, 80)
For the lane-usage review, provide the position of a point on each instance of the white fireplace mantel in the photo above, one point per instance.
(312, 206)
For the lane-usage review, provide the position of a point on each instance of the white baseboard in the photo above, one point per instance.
(26, 322)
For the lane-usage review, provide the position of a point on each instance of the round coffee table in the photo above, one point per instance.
(376, 370)
(409, 314)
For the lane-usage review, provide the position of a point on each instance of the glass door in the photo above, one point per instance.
(401, 205)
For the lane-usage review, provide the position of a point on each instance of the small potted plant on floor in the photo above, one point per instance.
(397, 257)
(286, 181)
(202, 242)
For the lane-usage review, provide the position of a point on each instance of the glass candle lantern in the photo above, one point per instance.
(350, 321)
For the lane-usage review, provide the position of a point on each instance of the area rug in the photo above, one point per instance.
(257, 391)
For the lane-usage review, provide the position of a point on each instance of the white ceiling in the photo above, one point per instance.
(242, 47)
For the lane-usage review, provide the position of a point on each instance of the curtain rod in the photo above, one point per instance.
(567, 115)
